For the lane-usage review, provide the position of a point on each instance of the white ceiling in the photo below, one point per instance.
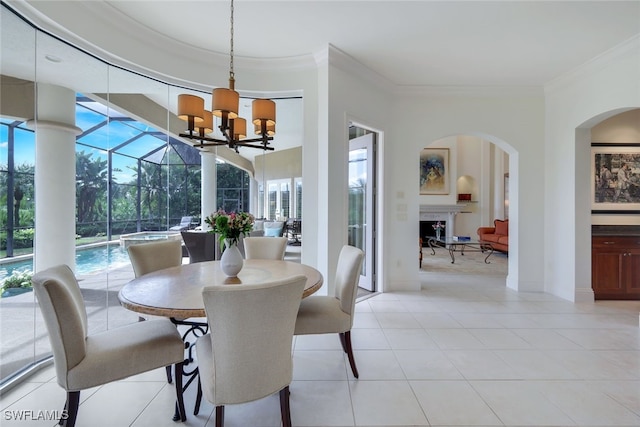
(408, 42)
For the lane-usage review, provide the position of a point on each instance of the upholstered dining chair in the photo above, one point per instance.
(149, 257)
(247, 355)
(265, 247)
(153, 256)
(84, 360)
(324, 314)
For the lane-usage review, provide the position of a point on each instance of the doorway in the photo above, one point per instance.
(362, 190)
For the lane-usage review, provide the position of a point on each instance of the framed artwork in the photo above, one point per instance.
(615, 178)
(434, 171)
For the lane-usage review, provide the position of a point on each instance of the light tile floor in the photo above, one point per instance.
(465, 351)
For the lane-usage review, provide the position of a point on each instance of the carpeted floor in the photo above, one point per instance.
(469, 263)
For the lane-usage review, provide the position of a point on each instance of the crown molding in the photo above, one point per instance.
(339, 59)
(474, 91)
(593, 65)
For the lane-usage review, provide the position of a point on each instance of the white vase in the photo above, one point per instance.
(231, 260)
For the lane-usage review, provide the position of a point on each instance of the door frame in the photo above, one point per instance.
(369, 281)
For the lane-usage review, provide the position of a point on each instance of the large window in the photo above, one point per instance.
(282, 202)
(17, 209)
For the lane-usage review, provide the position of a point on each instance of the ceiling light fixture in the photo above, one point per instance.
(224, 105)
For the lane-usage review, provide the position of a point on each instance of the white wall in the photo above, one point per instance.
(574, 104)
(354, 94)
(511, 119)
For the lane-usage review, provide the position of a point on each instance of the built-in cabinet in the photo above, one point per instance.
(615, 270)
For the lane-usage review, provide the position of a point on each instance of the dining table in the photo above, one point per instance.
(176, 293)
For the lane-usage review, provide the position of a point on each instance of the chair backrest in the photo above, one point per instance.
(149, 257)
(65, 316)
(347, 276)
(185, 221)
(200, 245)
(265, 247)
(251, 334)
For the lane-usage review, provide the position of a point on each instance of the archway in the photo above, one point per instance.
(483, 160)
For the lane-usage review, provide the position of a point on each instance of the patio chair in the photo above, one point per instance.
(185, 224)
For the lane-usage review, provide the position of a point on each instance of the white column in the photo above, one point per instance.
(55, 177)
(208, 184)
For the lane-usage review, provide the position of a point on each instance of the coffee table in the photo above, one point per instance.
(453, 246)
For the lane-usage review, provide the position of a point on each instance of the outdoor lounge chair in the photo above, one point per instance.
(185, 223)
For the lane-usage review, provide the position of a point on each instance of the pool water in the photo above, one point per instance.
(88, 260)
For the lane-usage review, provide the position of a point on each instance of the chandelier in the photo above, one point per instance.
(224, 106)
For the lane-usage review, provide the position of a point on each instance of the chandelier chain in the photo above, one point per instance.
(231, 73)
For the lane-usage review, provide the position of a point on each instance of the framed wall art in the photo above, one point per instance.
(434, 171)
(615, 178)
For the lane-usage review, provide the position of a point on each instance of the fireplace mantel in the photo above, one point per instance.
(457, 208)
(442, 213)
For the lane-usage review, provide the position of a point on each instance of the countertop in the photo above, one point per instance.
(615, 230)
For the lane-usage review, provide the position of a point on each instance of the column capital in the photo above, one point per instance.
(53, 125)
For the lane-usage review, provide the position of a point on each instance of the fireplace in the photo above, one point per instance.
(431, 214)
(427, 230)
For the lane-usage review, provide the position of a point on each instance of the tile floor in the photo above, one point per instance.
(465, 351)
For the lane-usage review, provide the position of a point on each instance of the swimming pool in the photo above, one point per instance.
(88, 260)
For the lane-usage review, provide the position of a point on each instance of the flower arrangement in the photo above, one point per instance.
(438, 226)
(230, 225)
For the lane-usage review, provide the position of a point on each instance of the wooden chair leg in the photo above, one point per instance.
(169, 379)
(219, 416)
(71, 408)
(285, 409)
(345, 339)
(181, 413)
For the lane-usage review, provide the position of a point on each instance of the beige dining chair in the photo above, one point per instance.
(324, 314)
(265, 247)
(149, 257)
(84, 360)
(247, 355)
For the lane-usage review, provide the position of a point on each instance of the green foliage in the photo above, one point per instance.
(22, 238)
(18, 279)
(91, 187)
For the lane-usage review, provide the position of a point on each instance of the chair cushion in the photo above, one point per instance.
(493, 238)
(125, 351)
(321, 315)
(502, 227)
(273, 229)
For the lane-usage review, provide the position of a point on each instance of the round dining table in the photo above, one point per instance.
(176, 292)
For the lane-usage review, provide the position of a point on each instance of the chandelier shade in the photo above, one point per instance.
(191, 106)
(270, 129)
(239, 128)
(225, 101)
(206, 126)
(263, 109)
